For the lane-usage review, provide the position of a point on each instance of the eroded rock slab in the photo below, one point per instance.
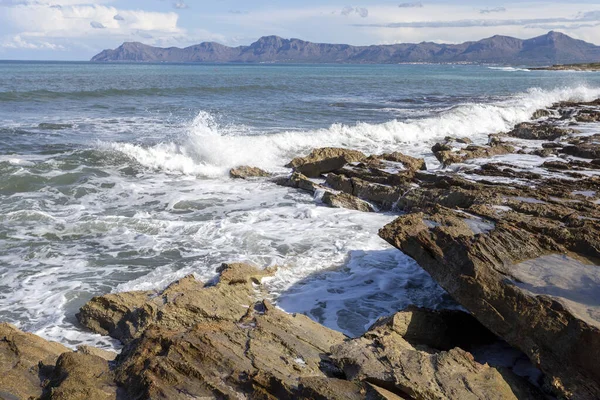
(26, 361)
(227, 341)
(480, 268)
(382, 356)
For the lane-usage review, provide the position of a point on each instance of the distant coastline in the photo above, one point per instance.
(552, 48)
(592, 67)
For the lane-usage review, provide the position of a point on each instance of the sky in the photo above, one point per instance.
(79, 29)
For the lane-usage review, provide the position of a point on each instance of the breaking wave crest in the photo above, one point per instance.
(210, 149)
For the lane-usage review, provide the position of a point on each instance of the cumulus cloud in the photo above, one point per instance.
(492, 10)
(17, 42)
(361, 11)
(411, 5)
(87, 27)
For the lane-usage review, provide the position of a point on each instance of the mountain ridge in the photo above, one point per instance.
(549, 49)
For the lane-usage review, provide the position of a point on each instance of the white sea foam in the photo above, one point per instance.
(510, 69)
(210, 150)
(96, 229)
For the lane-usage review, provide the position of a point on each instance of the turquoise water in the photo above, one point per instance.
(114, 177)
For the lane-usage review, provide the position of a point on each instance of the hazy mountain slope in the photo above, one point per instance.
(552, 48)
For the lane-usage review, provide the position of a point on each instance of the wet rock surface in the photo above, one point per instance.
(26, 361)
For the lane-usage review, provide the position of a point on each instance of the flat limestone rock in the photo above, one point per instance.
(25, 362)
(447, 156)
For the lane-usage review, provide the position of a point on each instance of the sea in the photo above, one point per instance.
(114, 177)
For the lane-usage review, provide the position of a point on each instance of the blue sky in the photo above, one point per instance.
(76, 29)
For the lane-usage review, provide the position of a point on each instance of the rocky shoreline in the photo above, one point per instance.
(510, 229)
(570, 67)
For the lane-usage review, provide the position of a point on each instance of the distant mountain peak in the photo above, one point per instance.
(552, 48)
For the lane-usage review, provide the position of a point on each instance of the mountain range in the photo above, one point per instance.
(551, 48)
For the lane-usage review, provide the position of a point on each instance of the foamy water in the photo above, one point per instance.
(112, 190)
(208, 150)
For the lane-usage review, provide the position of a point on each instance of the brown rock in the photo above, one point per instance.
(588, 115)
(482, 270)
(447, 157)
(26, 361)
(584, 150)
(94, 351)
(80, 376)
(384, 357)
(344, 200)
(411, 163)
(120, 315)
(532, 131)
(245, 172)
(464, 140)
(324, 160)
(219, 341)
(298, 181)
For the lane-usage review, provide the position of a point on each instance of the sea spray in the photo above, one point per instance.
(210, 149)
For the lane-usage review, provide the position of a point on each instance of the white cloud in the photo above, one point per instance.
(17, 42)
(39, 25)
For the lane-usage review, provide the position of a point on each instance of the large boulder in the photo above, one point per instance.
(26, 361)
(220, 340)
(502, 270)
(384, 357)
(124, 316)
(323, 160)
